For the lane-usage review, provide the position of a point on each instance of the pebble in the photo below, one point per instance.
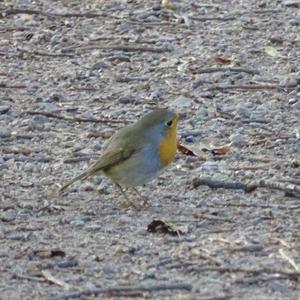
(202, 115)
(97, 146)
(208, 167)
(88, 115)
(294, 22)
(244, 112)
(56, 97)
(41, 158)
(50, 107)
(99, 65)
(109, 269)
(201, 80)
(127, 99)
(238, 139)
(78, 222)
(291, 3)
(147, 16)
(296, 105)
(258, 117)
(207, 95)
(280, 287)
(289, 82)
(4, 109)
(181, 102)
(23, 2)
(4, 133)
(40, 119)
(156, 95)
(9, 215)
(120, 57)
(124, 219)
(193, 133)
(190, 139)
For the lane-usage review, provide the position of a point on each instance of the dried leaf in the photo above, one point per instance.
(223, 60)
(221, 150)
(158, 226)
(271, 51)
(184, 150)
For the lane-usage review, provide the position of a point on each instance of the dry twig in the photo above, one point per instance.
(247, 187)
(120, 289)
(127, 48)
(219, 69)
(72, 119)
(18, 11)
(43, 53)
(7, 86)
(219, 18)
(289, 274)
(289, 260)
(246, 87)
(49, 277)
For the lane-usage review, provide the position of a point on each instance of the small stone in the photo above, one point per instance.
(156, 95)
(124, 219)
(207, 95)
(292, 101)
(238, 139)
(109, 269)
(209, 167)
(190, 139)
(152, 19)
(296, 105)
(9, 215)
(50, 107)
(292, 3)
(203, 114)
(276, 39)
(56, 97)
(4, 109)
(181, 102)
(294, 22)
(40, 119)
(4, 133)
(120, 57)
(258, 117)
(244, 112)
(78, 222)
(87, 187)
(99, 65)
(156, 7)
(127, 99)
(88, 115)
(289, 82)
(98, 146)
(42, 158)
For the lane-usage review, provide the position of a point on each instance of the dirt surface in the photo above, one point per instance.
(72, 72)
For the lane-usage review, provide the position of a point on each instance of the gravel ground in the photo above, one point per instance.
(72, 72)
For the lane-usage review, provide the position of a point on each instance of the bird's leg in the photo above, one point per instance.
(145, 199)
(125, 196)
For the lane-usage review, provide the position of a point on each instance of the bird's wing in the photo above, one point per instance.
(106, 161)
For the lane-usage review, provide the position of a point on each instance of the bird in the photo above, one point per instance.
(136, 153)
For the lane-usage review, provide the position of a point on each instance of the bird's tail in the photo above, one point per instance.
(81, 176)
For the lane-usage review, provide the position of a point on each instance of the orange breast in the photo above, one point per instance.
(168, 147)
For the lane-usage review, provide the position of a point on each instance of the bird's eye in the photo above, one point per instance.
(169, 123)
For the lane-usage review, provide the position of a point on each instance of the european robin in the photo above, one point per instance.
(137, 153)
